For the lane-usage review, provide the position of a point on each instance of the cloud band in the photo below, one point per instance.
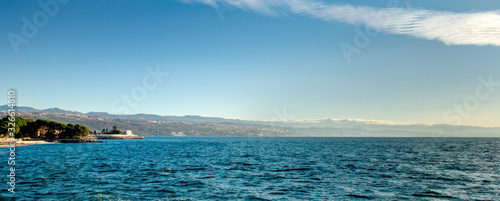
(451, 28)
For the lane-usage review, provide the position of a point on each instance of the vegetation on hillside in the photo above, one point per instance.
(43, 129)
(112, 131)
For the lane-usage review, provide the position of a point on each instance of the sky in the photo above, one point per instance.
(400, 62)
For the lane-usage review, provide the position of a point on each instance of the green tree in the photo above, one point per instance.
(43, 124)
(68, 133)
(30, 130)
(50, 135)
(19, 122)
(74, 131)
(51, 127)
(4, 125)
(115, 130)
(81, 130)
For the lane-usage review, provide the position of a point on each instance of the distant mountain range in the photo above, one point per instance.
(188, 118)
(50, 110)
(321, 127)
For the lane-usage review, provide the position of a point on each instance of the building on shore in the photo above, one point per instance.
(127, 135)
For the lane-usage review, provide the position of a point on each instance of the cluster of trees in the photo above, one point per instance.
(112, 131)
(4, 125)
(43, 129)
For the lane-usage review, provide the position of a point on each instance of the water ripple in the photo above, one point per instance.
(260, 169)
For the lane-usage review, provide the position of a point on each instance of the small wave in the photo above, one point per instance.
(385, 176)
(167, 191)
(195, 169)
(190, 183)
(350, 166)
(431, 194)
(359, 196)
(238, 168)
(101, 171)
(292, 169)
(444, 179)
(207, 177)
(252, 197)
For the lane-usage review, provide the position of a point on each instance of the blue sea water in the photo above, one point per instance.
(252, 168)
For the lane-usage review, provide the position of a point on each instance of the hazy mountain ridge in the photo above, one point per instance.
(191, 125)
(190, 118)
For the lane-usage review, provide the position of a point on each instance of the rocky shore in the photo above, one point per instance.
(8, 142)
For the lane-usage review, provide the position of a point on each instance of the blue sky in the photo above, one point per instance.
(256, 59)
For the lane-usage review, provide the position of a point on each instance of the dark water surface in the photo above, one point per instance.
(205, 168)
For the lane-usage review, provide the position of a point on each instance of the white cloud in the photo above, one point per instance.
(452, 28)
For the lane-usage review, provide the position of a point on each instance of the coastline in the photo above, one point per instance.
(6, 143)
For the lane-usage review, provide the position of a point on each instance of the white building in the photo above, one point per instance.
(127, 135)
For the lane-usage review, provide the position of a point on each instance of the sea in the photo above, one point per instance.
(258, 168)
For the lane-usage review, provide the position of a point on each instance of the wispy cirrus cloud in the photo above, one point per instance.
(451, 28)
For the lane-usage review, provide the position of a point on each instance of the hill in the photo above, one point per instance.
(157, 125)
